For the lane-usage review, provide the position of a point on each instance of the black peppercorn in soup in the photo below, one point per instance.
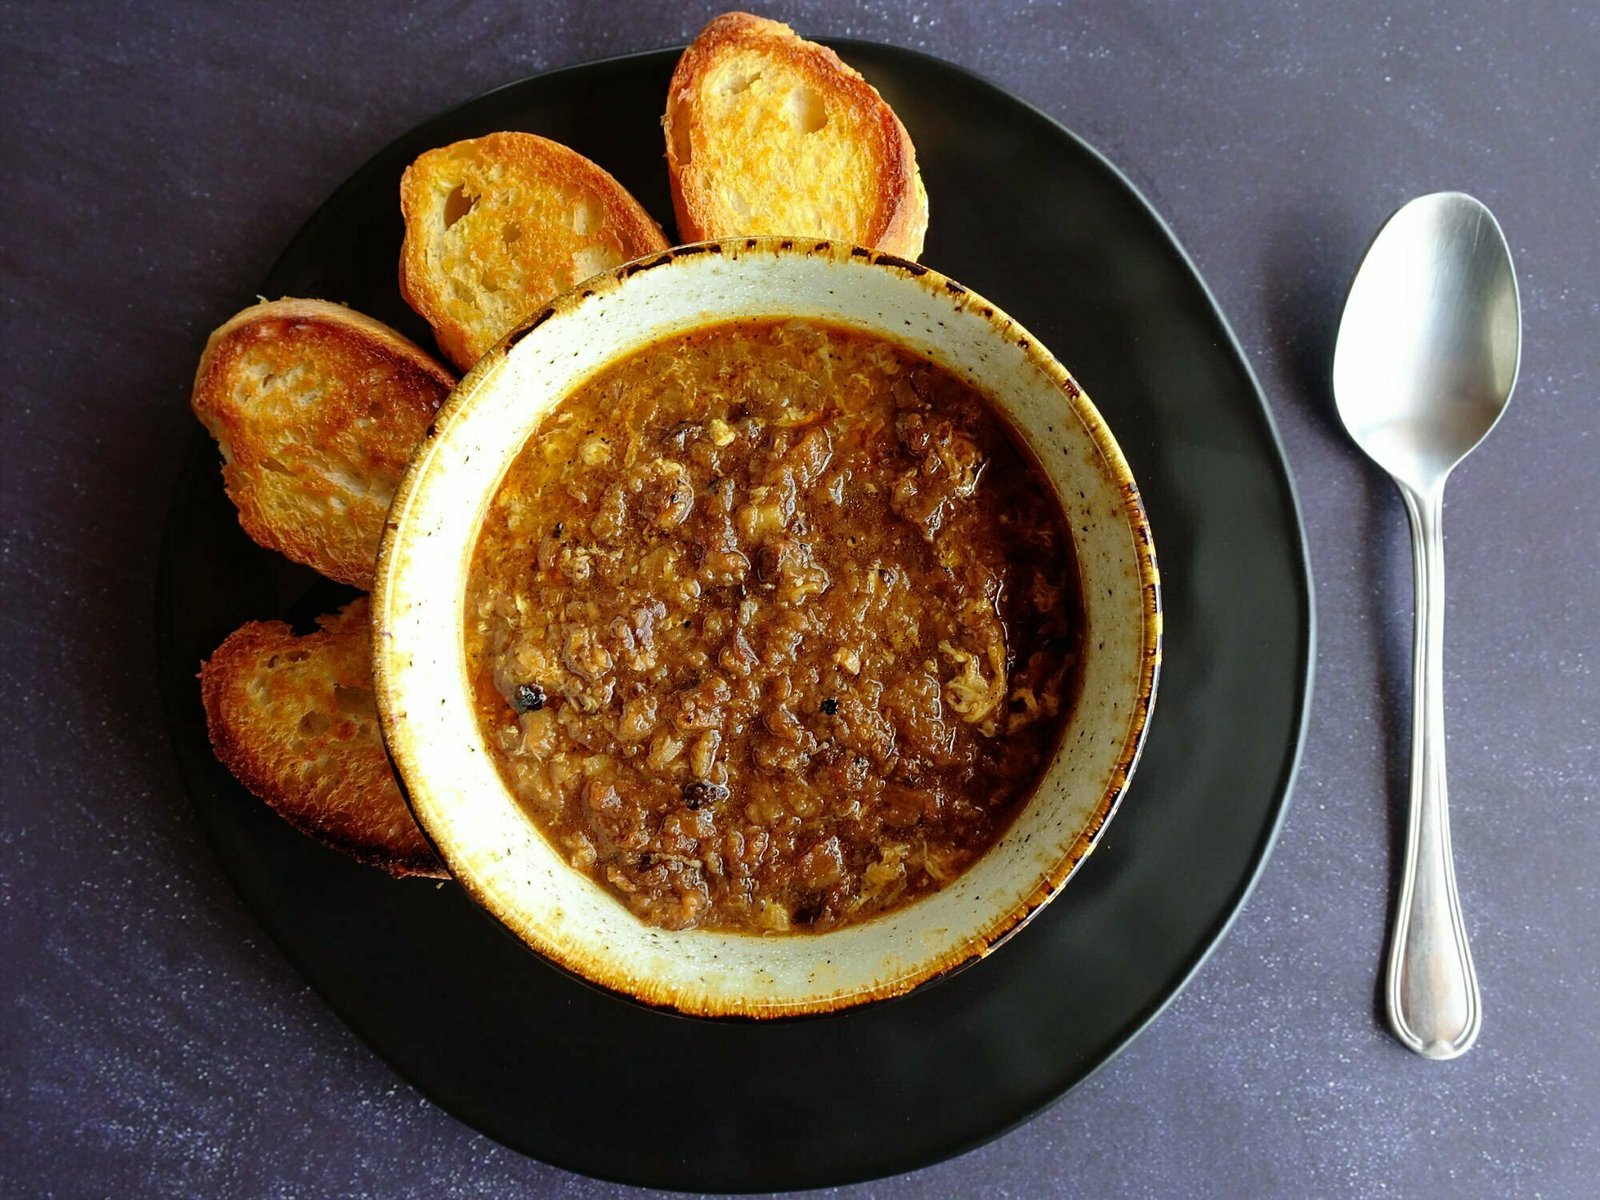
(773, 626)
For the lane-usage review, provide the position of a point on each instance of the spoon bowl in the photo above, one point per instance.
(1424, 367)
(1428, 348)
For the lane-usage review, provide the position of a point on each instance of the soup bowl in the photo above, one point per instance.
(426, 698)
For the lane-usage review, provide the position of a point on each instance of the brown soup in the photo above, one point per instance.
(773, 626)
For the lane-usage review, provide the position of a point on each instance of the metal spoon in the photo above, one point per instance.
(1426, 359)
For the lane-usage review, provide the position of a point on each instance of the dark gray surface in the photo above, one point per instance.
(156, 158)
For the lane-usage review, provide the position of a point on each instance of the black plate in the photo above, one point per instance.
(1033, 218)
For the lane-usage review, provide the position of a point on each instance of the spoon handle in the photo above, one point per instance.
(1432, 991)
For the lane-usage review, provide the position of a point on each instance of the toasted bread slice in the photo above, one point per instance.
(294, 719)
(771, 134)
(497, 225)
(317, 410)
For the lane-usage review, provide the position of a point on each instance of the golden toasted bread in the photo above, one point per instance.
(317, 410)
(294, 719)
(771, 134)
(497, 225)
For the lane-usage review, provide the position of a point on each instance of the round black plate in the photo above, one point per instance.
(1034, 219)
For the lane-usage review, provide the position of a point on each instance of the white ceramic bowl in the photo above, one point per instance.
(481, 832)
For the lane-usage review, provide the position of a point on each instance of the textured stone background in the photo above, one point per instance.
(156, 157)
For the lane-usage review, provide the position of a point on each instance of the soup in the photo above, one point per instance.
(773, 626)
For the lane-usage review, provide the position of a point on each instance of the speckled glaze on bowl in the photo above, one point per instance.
(424, 698)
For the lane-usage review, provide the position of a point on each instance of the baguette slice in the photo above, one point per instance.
(770, 134)
(317, 410)
(294, 719)
(497, 225)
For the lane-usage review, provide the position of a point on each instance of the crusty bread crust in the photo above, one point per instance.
(295, 721)
(497, 225)
(317, 410)
(767, 132)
